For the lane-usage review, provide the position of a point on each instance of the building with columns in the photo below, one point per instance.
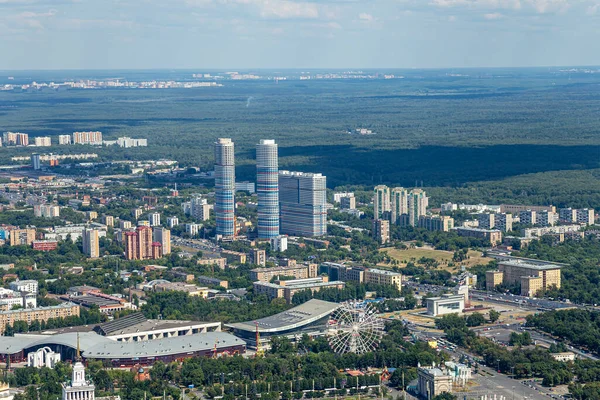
(79, 388)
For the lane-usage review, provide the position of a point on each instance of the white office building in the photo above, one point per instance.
(279, 243)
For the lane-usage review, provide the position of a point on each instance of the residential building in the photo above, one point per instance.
(91, 138)
(64, 139)
(124, 224)
(302, 271)
(172, 222)
(436, 222)
(15, 139)
(531, 285)
(486, 220)
(44, 245)
(302, 201)
(381, 202)
(36, 164)
(259, 257)
(417, 206)
(91, 246)
(549, 230)
(586, 216)
(245, 186)
(528, 217)
(192, 229)
(79, 388)
(127, 142)
(225, 187)
(19, 237)
(445, 304)
(288, 288)
(37, 314)
(399, 204)
(279, 243)
(341, 272)
(91, 215)
(154, 219)
(567, 215)
(234, 256)
(493, 279)
(207, 280)
(267, 188)
(220, 262)
(449, 207)
(46, 210)
(163, 236)
(383, 277)
(532, 275)
(28, 285)
(503, 222)
(11, 298)
(515, 209)
(138, 244)
(43, 141)
(199, 208)
(348, 202)
(108, 220)
(547, 218)
(494, 236)
(381, 230)
(337, 197)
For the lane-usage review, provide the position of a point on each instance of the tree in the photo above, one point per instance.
(494, 316)
(475, 319)
(445, 396)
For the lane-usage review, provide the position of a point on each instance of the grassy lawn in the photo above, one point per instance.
(442, 257)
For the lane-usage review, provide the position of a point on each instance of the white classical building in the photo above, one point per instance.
(43, 357)
(79, 388)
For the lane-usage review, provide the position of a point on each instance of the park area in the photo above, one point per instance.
(430, 256)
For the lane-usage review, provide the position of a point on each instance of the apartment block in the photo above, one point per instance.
(42, 141)
(436, 222)
(279, 243)
(302, 204)
(383, 277)
(381, 202)
(163, 236)
(487, 220)
(234, 256)
(381, 230)
(91, 243)
(259, 257)
(46, 210)
(348, 203)
(528, 217)
(494, 236)
(586, 216)
(302, 271)
(37, 314)
(547, 218)
(19, 237)
(503, 222)
(64, 139)
(91, 138)
(567, 215)
(493, 279)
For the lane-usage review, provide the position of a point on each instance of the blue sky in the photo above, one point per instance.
(241, 34)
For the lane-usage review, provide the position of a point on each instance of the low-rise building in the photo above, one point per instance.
(188, 288)
(29, 286)
(234, 256)
(10, 299)
(302, 271)
(564, 356)
(432, 382)
(445, 304)
(219, 262)
(207, 280)
(494, 236)
(44, 245)
(287, 289)
(383, 277)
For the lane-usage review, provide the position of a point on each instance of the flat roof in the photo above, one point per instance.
(530, 264)
(383, 272)
(296, 317)
(94, 300)
(451, 297)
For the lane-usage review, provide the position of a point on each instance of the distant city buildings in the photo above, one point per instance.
(90, 138)
(399, 205)
(442, 223)
(154, 219)
(36, 162)
(494, 236)
(64, 139)
(302, 203)
(43, 141)
(46, 210)
(381, 202)
(140, 246)
(126, 142)
(20, 237)
(267, 181)
(163, 236)
(279, 243)
(533, 276)
(15, 139)
(225, 187)
(381, 230)
(245, 186)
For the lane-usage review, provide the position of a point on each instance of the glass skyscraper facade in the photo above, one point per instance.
(302, 201)
(267, 188)
(225, 187)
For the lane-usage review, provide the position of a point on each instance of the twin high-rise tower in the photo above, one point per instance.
(225, 187)
(301, 208)
(267, 188)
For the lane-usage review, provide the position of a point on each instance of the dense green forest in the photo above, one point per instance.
(430, 127)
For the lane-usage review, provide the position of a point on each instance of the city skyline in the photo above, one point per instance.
(298, 34)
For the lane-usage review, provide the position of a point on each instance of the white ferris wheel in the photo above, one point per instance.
(354, 328)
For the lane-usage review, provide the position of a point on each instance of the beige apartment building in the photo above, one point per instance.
(493, 279)
(383, 277)
(37, 314)
(301, 271)
(533, 275)
(234, 256)
(22, 237)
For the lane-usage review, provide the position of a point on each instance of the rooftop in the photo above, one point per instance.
(296, 317)
(530, 264)
(383, 272)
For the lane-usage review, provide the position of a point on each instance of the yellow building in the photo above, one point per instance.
(383, 277)
(234, 256)
(22, 237)
(531, 285)
(514, 269)
(37, 314)
(493, 279)
(299, 272)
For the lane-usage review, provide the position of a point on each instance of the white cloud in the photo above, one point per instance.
(493, 16)
(544, 6)
(287, 9)
(593, 9)
(366, 17)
